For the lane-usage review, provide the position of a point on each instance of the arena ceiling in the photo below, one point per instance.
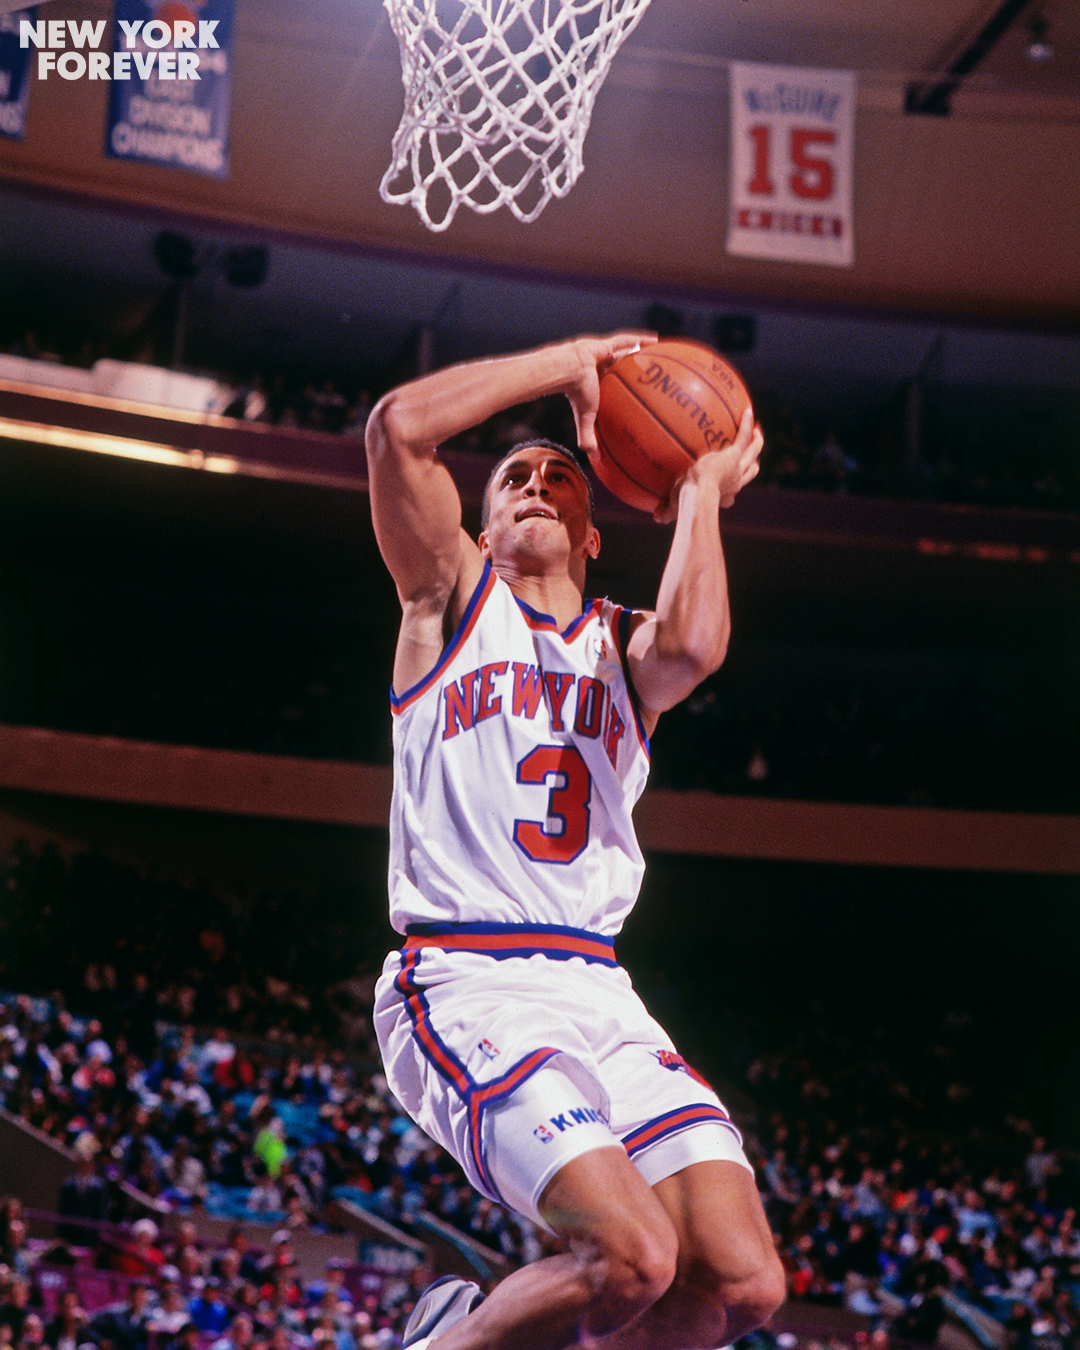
(889, 45)
(84, 223)
(884, 42)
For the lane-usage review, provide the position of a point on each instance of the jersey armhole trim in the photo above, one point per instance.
(483, 588)
(621, 629)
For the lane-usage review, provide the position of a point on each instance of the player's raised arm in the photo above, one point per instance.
(685, 640)
(414, 503)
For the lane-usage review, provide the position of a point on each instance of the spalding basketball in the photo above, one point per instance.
(660, 409)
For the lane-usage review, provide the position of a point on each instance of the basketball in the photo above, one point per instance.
(660, 409)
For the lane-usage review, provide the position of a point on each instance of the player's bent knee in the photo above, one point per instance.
(626, 1263)
(752, 1300)
(627, 1279)
(712, 1307)
(763, 1293)
(624, 1241)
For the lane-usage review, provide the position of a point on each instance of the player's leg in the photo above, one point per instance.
(681, 1138)
(728, 1276)
(622, 1257)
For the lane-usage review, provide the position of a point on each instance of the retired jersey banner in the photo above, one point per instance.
(15, 71)
(792, 144)
(171, 83)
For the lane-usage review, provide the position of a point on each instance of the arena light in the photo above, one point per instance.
(123, 447)
(1039, 47)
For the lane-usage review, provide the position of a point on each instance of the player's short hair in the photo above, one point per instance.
(571, 457)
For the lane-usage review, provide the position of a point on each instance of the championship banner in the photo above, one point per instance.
(170, 90)
(15, 71)
(792, 147)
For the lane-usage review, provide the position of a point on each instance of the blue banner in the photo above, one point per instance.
(171, 84)
(14, 74)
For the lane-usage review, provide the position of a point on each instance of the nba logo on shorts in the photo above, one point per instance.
(487, 1049)
(543, 1134)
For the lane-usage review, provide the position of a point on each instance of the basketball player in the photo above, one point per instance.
(521, 726)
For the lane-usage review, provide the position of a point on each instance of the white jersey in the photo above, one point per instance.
(517, 764)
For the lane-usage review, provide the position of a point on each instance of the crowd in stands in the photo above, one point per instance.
(857, 740)
(892, 1194)
(899, 1184)
(172, 1291)
(805, 451)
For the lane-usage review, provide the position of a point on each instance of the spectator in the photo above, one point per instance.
(14, 1252)
(187, 1338)
(264, 1196)
(185, 1174)
(15, 1308)
(216, 1057)
(331, 1285)
(66, 1329)
(239, 1335)
(124, 1325)
(141, 1256)
(171, 1313)
(270, 1147)
(281, 1259)
(33, 1333)
(1041, 1164)
(208, 1309)
(83, 1196)
(248, 1263)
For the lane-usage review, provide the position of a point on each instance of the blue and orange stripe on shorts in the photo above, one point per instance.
(502, 940)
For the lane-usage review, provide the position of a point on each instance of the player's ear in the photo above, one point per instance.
(483, 546)
(592, 543)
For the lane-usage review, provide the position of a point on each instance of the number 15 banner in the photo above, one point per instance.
(792, 142)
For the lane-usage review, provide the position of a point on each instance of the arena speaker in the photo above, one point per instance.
(175, 254)
(664, 321)
(246, 264)
(734, 332)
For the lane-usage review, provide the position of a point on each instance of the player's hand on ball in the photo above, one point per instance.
(731, 468)
(596, 355)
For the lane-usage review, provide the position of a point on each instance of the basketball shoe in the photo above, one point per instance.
(441, 1306)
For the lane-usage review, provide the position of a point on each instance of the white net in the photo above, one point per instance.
(498, 97)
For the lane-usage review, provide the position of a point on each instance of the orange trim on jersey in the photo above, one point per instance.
(544, 623)
(484, 587)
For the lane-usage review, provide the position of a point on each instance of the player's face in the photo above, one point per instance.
(538, 502)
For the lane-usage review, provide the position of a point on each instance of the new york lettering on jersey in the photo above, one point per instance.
(535, 736)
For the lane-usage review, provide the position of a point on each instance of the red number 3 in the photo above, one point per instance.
(565, 832)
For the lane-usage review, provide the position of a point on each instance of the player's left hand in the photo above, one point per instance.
(731, 469)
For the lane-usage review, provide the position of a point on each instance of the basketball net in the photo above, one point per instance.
(498, 97)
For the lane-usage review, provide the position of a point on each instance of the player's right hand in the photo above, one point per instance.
(595, 355)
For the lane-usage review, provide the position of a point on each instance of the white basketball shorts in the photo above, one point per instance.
(518, 1049)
